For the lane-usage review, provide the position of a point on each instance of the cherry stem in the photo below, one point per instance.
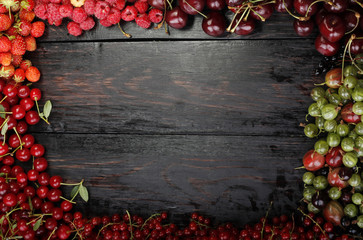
(291, 14)
(360, 4)
(203, 15)
(317, 1)
(73, 184)
(16, 149)
(17, 134)
(262, 18)
(3, 99)
(80, 235)
(71, 201)
(42, 117)
(52, 233)
(239, 20)
(302, 167)
(123, 32)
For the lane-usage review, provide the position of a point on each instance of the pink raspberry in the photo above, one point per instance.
(129, 13)
(90, 6)
(53, 12)
(102, 9)
(114, 16)
(119, 4)
(66, 2)
(143, 20)
(141, 6)
(74, 29)
(66, 10)
(55, 1)
(155, 15)
(40, 11)
(79, 15)
(54, 22)
(111, 1)
(87, 24)
(105, 23)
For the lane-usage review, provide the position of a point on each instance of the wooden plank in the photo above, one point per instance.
(229, 177)
(277, 27)
(185, 87)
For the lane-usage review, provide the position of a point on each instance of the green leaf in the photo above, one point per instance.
(14, 226)
(47, 109)
(2, 219)
(41, 114)
(4, 129)
(30, 204)
(2, 110)
(83, 192)
(74, 191)
(37, 224)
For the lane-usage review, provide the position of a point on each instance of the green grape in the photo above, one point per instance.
(308, 193)
(360, 221)
(357, 94)
(333, 139)
(330, 125)
(329, 111)
(350, 70)
(335, 99)
(357, 198)
(355, 180)
(321, 146)
(320, 182)
(351, 210)
(350, 159)
(308, 178)
(319, 122)
(350, 82)
(359, 128)
(359, 142)
(352, 134)
(347, 144)
(344, 92)
(343, 129)
(358, 108)
(334, 193)
(311, 130)
(314, 110)
(317, 92)
(359, 188)
(322, 102)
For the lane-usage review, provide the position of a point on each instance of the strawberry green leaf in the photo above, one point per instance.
(4, 129)
(37, 224)
(74, 191)
(47, 109)
(84, 193)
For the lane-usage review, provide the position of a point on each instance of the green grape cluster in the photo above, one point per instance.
(333, 181)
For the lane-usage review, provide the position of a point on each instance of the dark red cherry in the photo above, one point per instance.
(302, 6)
(262, 12)
(159, 4)
(332, 28)
(214, 24)
(234, 3)
(356, 46)
(176, 18)
(334, 157)
(320, 15)
(216, 5)
(192, 7)
(336, 6)
(326, 47)
(245, 27)
(304, 28)
(350, 20)
(281, 5)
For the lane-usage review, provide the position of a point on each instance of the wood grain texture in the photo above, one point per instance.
(228, 177)
(279, 26)
(184, 87)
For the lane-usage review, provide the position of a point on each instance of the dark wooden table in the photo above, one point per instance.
(179, 123)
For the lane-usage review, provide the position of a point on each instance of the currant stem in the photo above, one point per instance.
(130, 222)
(308, 216)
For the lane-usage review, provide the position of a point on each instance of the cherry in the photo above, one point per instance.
(348, 115)
(47, 207)
(35, 94)
(8, 160)
(23, 91)
(302, 6)
(12, 100)
(18, 112)
(334, 180)
(244, 27)
(66, 206)
(320, 199)
(326, 47)
(21, 127)
(313, 161)
(22, 177)
(233, 3)
(159, 4)
(10, 90)
(55, 181)
(29, 191)
(28, 140)
(176, 18)
(11, 122)
(336, 6)
(262, 12)
(216, 5)
(23, 155)
(281, 5)
(332, 28)
(50, 224)
(33, 175)
(303, 28)
(42, 192)
(29, 234)
(14, 141)
(43, 178)
(350, 20)
(37, 150)
(54, 194)
(10, 199)
(191, 7)
(32, 117)
(320, 15)
(334, 157)
(27, 103)
(356, 46)
(57, 213)
(214, 24)
(40, 164)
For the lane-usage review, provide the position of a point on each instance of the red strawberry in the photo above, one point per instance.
(18, 46)
(7, 71)
(25, 64)
(17, 59)
(25, 28)
(27, 5)
(32, 74)
(26, 15)
(10, 4)
(5, 22)
(37, 29)
(5, 59)
(5, 44)
(19, 75)
(30, 43)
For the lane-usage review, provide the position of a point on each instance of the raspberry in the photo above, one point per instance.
(5, 22)
(37, 29)
(105, 23)
(87, 24)
(55, 1)
(90, 6)
(79, 15)
(102, 9)
(111, 2)
(143, 20)
(119, 4)
(56, 23)
(114, 16)
(30, 43)
(32, 74)
(155, 15)
(53, 13)
(40, 11)
(141, 6)
(74, 29)
(66, 2)
(129, 13)
(5, 44)
(66, 10)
